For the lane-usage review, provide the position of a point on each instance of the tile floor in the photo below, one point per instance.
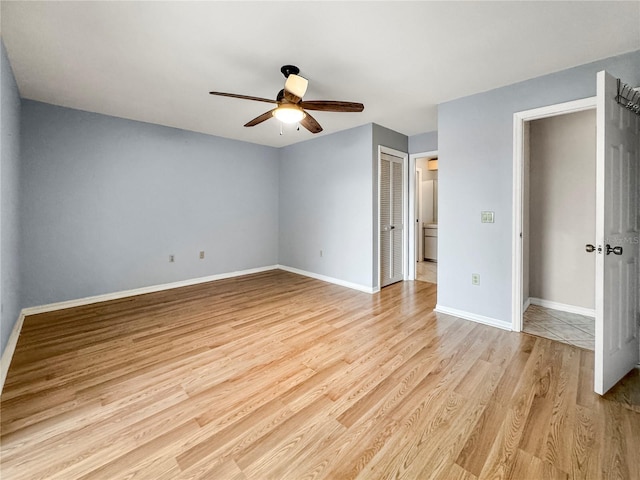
(427, 272)
(562, 326)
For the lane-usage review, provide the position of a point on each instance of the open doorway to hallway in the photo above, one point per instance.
(426, 217)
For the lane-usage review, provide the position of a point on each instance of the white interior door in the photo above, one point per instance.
(391, 219)
(617, 233)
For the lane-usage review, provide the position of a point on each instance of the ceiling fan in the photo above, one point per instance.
(290, 106)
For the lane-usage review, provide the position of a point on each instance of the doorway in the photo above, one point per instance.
(559, 213)
(520, 233)
(427, 202)
(423, 220)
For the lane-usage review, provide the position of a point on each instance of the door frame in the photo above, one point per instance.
(519, 120)
(411, 230)
(405, 160)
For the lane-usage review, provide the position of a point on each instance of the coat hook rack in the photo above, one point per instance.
(628, 97)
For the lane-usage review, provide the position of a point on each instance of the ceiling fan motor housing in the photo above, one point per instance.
(289, 69)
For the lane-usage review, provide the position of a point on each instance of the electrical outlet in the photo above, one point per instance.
(475, 279)
(172, 258)
(201, 254)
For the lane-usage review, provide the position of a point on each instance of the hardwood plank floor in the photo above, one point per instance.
(278, 376)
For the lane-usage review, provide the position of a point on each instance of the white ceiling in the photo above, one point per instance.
(157, 61)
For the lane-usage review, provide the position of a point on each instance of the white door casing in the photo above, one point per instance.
(391, 174)
(617, 350)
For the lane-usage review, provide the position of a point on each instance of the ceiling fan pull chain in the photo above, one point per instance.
(281, 132)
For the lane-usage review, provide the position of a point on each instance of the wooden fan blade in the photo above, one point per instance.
(245, 97)
(260, 119)
(310, 124)
(332, 106)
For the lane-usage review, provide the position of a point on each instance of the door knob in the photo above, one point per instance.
(615, 250)
(589, 248)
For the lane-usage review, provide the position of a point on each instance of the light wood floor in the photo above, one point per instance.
(277, 376)
(427, 271)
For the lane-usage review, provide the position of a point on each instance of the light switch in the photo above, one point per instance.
(486, 217)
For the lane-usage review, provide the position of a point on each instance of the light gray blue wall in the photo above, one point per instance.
(9, 194)
(475, 144)
(388, 138)
(423, 142)
(326, 203)
(105, 201)
(385, 137)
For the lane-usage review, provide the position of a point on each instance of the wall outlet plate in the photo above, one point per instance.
(475, 279)
(486, 217)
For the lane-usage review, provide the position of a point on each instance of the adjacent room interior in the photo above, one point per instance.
(427, 217)
(560, 214)
(330, 240)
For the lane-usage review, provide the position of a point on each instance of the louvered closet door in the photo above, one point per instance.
(391, 220)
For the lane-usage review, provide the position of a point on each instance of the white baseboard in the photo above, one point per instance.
(7, 355)
(324, 278)
(474, 317)
(141, 291)
(563, 307)
(527, 304)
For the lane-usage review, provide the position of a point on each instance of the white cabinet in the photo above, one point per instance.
(431, 243)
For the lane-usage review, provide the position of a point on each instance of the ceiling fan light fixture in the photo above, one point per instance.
(289, 113)
(296, 85)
